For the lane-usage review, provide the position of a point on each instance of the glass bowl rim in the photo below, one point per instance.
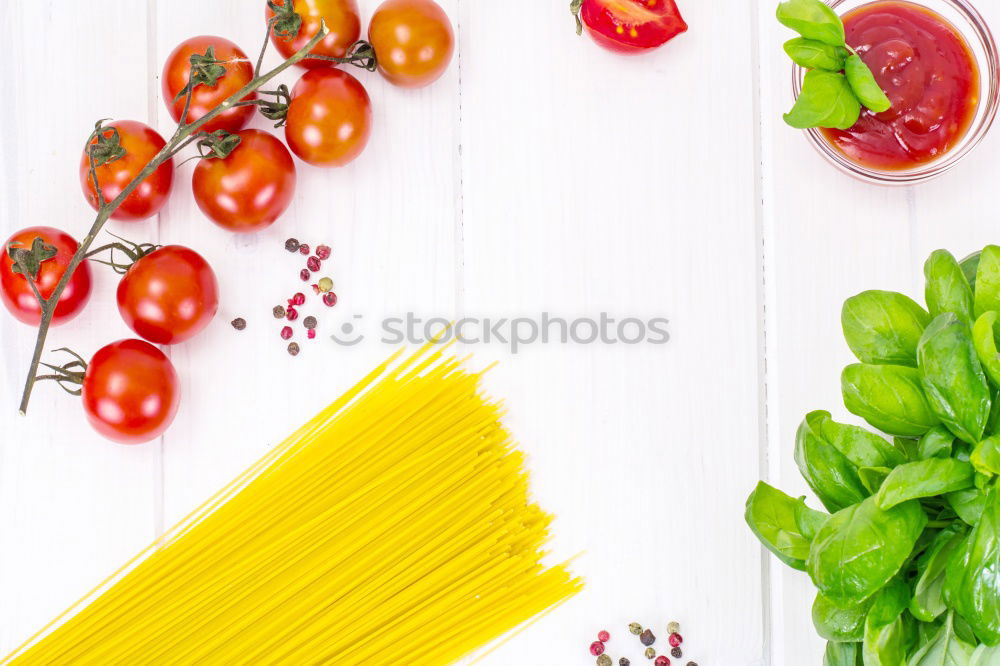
(976, 132)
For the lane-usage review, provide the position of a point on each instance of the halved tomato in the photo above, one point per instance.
(632, 26)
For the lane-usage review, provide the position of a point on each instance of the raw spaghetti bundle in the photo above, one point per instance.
(396, 522)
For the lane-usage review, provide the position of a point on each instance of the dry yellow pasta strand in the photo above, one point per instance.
(399, 511)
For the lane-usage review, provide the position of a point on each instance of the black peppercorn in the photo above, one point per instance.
(293, 348)
(278, 312)
(676, 653)
(309, 322)
(647, 638)
(292, 245)
(624, 662)
(239, 323)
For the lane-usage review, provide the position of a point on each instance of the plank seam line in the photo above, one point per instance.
(152, 106)
(459, 239)
(762, 368)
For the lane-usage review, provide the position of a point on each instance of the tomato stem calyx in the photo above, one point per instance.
(71, 373)
(28, 261)
(286, 22)
(134, 251)
(205, 69)
(360, 54)
(575, 7)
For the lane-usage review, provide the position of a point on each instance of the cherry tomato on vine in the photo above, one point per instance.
(130, 392)
(239, 72)
(141, 144)
(631, 26)
(16, 291)
(342, 20)
(248, 190)
(414, 41)
(330, 118)
(169, 295)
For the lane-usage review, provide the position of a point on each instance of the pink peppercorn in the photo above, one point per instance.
(298, 299)
(675, 640)
(603, 636)
(304, 275)
(329, 299)
(303, 248)
(292, 314)
(286, 333)
(662, 661)
(311, 333)
(597, 648)
(323, 252)
(313, 264)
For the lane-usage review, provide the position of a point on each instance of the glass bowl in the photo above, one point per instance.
(971, 25)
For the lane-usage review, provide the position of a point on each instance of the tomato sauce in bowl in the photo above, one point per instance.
(927, 69)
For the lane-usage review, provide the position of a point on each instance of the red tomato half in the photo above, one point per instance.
(169, 295)
(249, 189)
(16, 292)
(130, 392)
(330, 118)
(239, 72)
(632, 26)
(341, 18)
(141, 144)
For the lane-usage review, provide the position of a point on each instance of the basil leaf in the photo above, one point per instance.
(861, 447)
(947, 290)
(967, 504)
(809, 521)
(938, 442)
(925, 478)
(984, 339)
(928, 595)
(839, 624)
(864, 85)
(987, 292)
(890, 397)
(986, 656)
(883, 327)
(861, 548)
(842, 654)
(944, 649)
(969, 266)
(813, 20)
(972, 587)
(831, 475)
(953, 379)
(770, 514)
(826, 100)
(889, 633)
(872, 478)
(813, 54)
(986, 456)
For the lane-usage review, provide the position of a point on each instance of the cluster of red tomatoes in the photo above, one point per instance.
(130, 389)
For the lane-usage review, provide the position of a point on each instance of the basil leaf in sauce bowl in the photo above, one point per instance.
(813, 20)
(864, 85)
(826, 100)
(813, 54)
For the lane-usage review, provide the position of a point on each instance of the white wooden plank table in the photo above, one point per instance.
(540, 174)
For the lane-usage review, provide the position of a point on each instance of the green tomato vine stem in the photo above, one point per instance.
(181, 138)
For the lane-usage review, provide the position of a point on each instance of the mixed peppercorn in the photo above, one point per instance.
(599, 648)
(323, 286)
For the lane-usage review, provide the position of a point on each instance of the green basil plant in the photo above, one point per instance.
(906, 556)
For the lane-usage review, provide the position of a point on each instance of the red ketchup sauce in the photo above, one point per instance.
(928, 71)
